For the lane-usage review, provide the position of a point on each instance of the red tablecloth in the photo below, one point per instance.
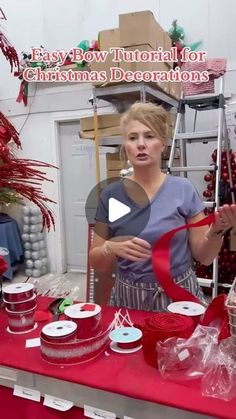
(19, 408)
(127, 375)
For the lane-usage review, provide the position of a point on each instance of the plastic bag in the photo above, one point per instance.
(55, 286)
(183, 359)
(219, 379)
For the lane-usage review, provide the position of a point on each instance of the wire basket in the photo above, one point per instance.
(231, 307)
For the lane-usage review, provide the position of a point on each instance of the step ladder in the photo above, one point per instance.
(220, 135)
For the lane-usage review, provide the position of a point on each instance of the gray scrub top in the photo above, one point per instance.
(175, 202)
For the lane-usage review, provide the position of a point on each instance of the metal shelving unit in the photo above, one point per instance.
(121, 97)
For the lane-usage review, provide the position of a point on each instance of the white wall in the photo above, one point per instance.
(57, 24)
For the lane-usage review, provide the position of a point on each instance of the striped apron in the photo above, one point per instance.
(130, 293)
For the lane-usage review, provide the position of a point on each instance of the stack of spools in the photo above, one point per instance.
(20, 305)
(34, 243)
(78, 339)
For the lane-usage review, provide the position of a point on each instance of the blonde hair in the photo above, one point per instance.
(153, 116)
(149, 114)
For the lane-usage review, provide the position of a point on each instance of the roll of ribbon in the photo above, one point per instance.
(87, 316)
(188, 308)
(126, 339)
(18, 292)
(75, 352)
(160, 327)
(21, 305)
(22, 322)
(61, 331)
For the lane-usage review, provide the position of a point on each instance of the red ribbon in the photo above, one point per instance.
(130, 345)
(22, 97)
(160, 327)
(161, 262)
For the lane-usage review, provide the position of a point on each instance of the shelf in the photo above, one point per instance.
(125, 94)
(117, 140)
(122, 96)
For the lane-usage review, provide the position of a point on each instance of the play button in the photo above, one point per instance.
(117, 209)
(119, 206)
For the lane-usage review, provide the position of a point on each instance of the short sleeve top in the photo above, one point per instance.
(175, 202)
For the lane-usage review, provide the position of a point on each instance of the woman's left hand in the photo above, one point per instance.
(225, 219)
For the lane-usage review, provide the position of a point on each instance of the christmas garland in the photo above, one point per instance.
(26, 62)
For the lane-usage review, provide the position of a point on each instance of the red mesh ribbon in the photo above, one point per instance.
(161, 263)
(160, 327)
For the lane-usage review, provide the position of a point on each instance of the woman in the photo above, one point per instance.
(173, 201)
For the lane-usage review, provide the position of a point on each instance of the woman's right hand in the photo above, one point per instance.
(133, 249)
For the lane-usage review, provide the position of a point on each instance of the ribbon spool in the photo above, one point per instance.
(61, 331)
(126, 340)
(188, 308)
(73, 352)
(160, 327)
(87, 316)
(22, 322)
(18, 292)
(21, 305)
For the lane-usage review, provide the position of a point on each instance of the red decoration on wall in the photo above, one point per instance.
(20, 178)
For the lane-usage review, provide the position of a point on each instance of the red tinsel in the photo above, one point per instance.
(8, 132)
(9, 52)
(22, 177)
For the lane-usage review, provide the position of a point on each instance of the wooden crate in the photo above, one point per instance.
(104, 121)
(113, 173)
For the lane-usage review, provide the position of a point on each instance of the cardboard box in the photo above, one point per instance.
(164, 164)
(175, 89)
(104, 121)
(103, 132)
(171, 119)
(166, 153)
(146, 66)
(114, 162)
(95, 66)
(167, 47)
(113, 173)
(108, 39)
(140, 28)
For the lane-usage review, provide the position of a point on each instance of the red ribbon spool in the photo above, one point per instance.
(87, 317)
(20, 292)
(130, 345)
(22, 305)
(74, 352)
(188, 308)
(126, 338)
(21, 322)
(160, 327)
(62, 331)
